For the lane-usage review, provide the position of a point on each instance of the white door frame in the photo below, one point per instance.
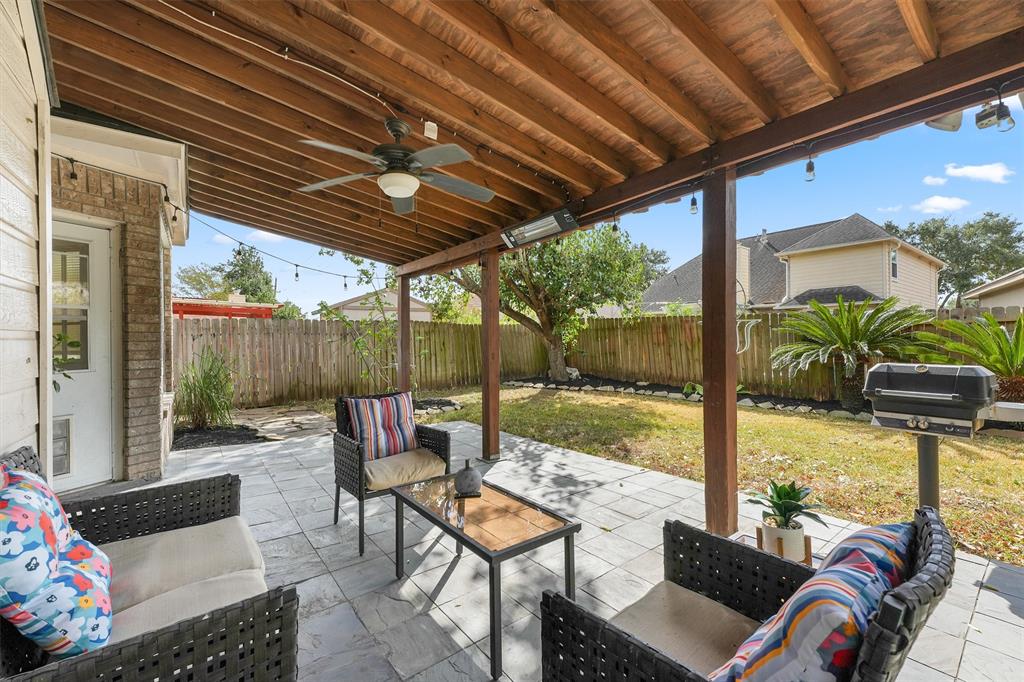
(116, 329)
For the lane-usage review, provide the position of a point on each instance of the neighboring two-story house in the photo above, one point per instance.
(1001, 292)
(851, 257)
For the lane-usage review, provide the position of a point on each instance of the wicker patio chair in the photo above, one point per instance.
(579, 646)
(254, 639)
(350, 460)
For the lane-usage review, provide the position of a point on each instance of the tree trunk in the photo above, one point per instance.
(556, 359)
(851, 395)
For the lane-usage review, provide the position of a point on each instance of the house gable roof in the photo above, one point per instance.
(854, 229)
(829, 296)
(1016, 277)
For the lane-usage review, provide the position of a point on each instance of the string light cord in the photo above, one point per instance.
(284, 52)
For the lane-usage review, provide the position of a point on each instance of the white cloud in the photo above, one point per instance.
(988, 172)
(222, 239)
(261, 236)
(890, 209)
(940, 204)
(934, 180)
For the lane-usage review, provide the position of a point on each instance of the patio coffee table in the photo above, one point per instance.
(496, 526)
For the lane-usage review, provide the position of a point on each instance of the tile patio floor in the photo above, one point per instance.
(358, 623)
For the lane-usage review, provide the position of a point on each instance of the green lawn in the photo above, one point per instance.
(857, 471)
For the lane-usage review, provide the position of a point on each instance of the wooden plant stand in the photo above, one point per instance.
(778, 546)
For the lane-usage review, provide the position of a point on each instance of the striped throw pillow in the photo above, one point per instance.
(817, 634)
(384, 426)
(888, 547)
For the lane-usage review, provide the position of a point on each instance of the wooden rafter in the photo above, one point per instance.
(322, 42)
(807, 39)
(634, 68)
(922, 30)
(515, 48)
(401, 34)
(716, 56)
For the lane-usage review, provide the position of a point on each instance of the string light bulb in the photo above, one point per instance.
(809, 170)
(72, 175)
(693, 204)
(345, 283)
(1004, 122)
(615, 223)
(296, 273)
(174, 216)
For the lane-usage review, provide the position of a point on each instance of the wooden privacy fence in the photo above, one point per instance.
(277, 361)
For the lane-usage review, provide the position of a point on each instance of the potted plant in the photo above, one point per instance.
(785, 502)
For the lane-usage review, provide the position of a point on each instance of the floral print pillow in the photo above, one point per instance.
(54, 584)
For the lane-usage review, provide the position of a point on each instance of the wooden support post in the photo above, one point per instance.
(404, 337)
(719, 356)
(490, 343)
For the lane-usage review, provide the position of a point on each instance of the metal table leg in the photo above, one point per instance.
(495, 620)
(570, 568)
(399, 539)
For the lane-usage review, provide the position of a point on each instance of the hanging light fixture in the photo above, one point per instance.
(296, 273)
(809, 170)
(345, 283)
(72, 175)
(693, 204)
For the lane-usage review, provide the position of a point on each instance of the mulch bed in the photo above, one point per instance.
(188, 438)
(438, 403)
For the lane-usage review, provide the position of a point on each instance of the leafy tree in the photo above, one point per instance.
(554, 287)
(288, 311)
(202, 281)
(246, 274)
(975, 252)
(851, 335)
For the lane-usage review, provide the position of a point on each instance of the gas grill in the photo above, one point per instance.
(930, 401)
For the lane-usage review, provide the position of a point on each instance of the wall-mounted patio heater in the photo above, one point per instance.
(929, 401)
(540, 227)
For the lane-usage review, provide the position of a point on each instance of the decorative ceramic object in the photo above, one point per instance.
(467, 481)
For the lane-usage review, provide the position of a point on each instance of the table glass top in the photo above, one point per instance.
(496, 520)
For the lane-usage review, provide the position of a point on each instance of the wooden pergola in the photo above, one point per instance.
(599, 108)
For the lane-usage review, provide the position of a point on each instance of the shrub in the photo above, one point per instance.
(205, 391)
(987, 343)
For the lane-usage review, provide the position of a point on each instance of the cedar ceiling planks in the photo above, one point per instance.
(572, 98)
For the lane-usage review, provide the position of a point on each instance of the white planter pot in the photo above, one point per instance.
(792, 541)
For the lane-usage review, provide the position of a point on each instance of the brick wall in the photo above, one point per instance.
(145, 291)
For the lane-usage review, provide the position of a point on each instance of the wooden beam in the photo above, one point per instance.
(239, 55)
(718, 311)
(807, 39)
(407, 37)
(951, 83)
(490, 344)
(922, 30)
(716, 56)
(515, 48)
(404, 336)
(634, 68)
(319, 41)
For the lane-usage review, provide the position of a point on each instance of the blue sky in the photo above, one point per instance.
(895, 177)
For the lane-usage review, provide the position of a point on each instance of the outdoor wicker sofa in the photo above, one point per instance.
(579, 646)
(255, 638)
(350, 465)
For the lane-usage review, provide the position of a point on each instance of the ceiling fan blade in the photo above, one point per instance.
(335, 181)
(403, 205)
(369, 158)
(439, 155)
(457, 186)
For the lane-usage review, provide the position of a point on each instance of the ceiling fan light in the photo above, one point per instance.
(398, 185)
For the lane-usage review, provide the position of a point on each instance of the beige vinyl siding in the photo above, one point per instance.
(917, 280)
(742, 274)
(863, 265)
(1003, 298)
(19, 236)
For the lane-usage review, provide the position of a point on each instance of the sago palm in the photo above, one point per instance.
(852, 334)
(985, 342)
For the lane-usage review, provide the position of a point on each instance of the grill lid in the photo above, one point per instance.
(950, 390)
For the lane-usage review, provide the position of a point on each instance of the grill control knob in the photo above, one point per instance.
(912, 423)
(923, 424)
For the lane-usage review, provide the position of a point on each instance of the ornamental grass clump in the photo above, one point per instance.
(205, 392)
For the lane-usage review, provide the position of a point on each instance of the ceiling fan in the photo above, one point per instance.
(400, 169)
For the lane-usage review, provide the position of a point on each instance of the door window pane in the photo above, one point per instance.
(61, 446)
(71, 304)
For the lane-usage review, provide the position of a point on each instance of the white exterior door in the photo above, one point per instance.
(83, 433)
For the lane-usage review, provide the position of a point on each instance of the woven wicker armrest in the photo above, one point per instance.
(254, 639)
(153, 510)
(744, 578)
(348, 464)
(437, 441)
(578, 646)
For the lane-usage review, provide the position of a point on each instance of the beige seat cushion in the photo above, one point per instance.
(186, 601)
(146, 566)
(405, 467)
(698, 632)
